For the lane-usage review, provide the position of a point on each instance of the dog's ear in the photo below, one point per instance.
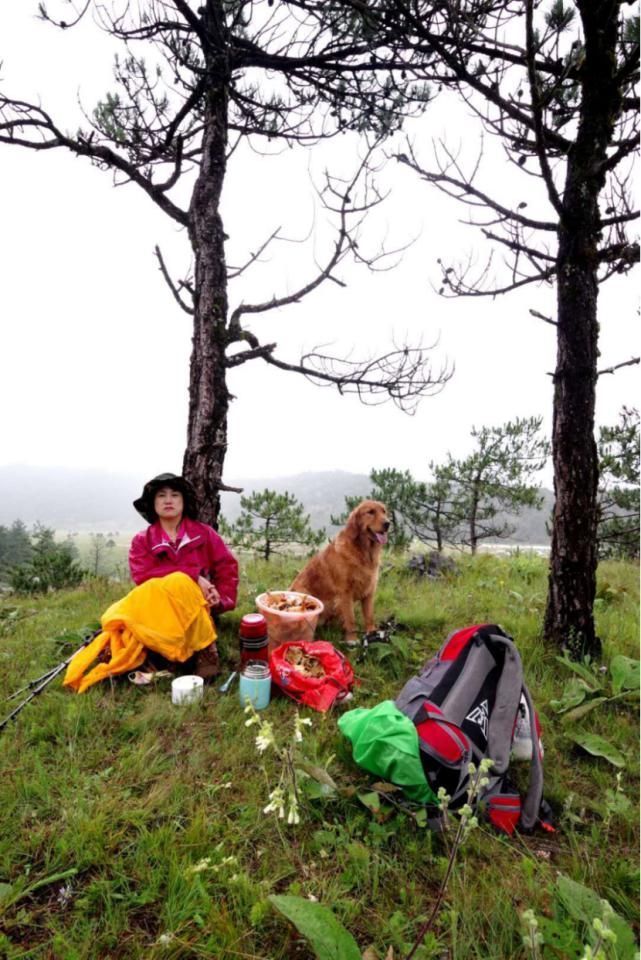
(353, 525)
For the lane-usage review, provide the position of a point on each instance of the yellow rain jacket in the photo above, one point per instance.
(168, 615)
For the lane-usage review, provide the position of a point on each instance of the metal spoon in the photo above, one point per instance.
(227, 684)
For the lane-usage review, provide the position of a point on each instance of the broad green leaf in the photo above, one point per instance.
(583, 670)
(574, 693)
(616, 803)
(6, 890)
(562, 936)
(326, 935)
(581, 711)
(373, 803)
(46, 881)
(382, 651)
(382, 786)
(318, 773)
(585, 905)
(625, 673)
(371, 800)
(580, 902)
(314, 790)
(421, 817)
(599, 747)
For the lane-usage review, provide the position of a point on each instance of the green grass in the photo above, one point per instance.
(108, 800)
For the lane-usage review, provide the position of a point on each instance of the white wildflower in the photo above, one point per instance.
(443, 796)
(606, 907)
(265, 738)
(276, 802)
(299, 723)
(532, 938)
(199, 867)
(65, 894)
(293, 817)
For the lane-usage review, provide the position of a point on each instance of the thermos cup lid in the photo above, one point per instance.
(253, 625)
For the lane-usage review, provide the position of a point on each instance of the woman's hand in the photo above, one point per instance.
(210, 593)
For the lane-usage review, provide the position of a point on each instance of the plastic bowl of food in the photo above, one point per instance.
(289, 615)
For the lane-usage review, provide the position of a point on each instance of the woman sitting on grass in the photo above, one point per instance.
(176, 541)
(184, 573)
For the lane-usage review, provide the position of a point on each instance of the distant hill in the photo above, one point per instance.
(88, 500)
(93, 500)
(323, 494)
(69, 499)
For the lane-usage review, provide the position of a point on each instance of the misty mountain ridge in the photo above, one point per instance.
(75, 500)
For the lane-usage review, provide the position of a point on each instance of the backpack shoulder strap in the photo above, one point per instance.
(534, 796)
(506, 703)
(501, 729)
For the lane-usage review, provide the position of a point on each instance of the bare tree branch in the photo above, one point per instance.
(234, 272)
(176, 293)
(18, 116)
(541, 316)
(626, 363)
(404, 375)
(338, 197)
(467, 191)
(537, 113)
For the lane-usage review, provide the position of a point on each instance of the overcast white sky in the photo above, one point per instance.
(95, 352)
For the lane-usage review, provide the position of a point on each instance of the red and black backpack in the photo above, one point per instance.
(470, 702)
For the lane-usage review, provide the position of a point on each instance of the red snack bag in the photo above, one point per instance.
(312, 672)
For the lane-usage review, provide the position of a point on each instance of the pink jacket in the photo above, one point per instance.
(200, 552)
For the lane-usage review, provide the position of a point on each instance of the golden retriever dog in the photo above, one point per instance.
(347, 569)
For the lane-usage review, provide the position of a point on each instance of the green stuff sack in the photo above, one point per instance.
(385, 742)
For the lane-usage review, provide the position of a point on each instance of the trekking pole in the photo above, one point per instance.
(44, 681)
(47, 673)
(31, 684)
(34, 693)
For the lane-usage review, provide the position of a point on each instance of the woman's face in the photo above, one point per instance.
(168, 504)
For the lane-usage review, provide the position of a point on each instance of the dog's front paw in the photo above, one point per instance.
(352, 640)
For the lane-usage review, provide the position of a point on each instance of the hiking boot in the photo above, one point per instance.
(207, 663)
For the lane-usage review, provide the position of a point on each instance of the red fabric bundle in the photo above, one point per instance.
(317, 692)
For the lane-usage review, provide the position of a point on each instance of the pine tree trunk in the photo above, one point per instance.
(439, 536)
(569, 620)
(473, 514)
(572, 580)
(208, 395)
(267, 551)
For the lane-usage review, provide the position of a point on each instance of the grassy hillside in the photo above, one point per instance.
(131, 828)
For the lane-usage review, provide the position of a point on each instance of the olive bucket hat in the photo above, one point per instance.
(145, 503)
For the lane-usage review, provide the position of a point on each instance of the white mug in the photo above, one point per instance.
(187, 689)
